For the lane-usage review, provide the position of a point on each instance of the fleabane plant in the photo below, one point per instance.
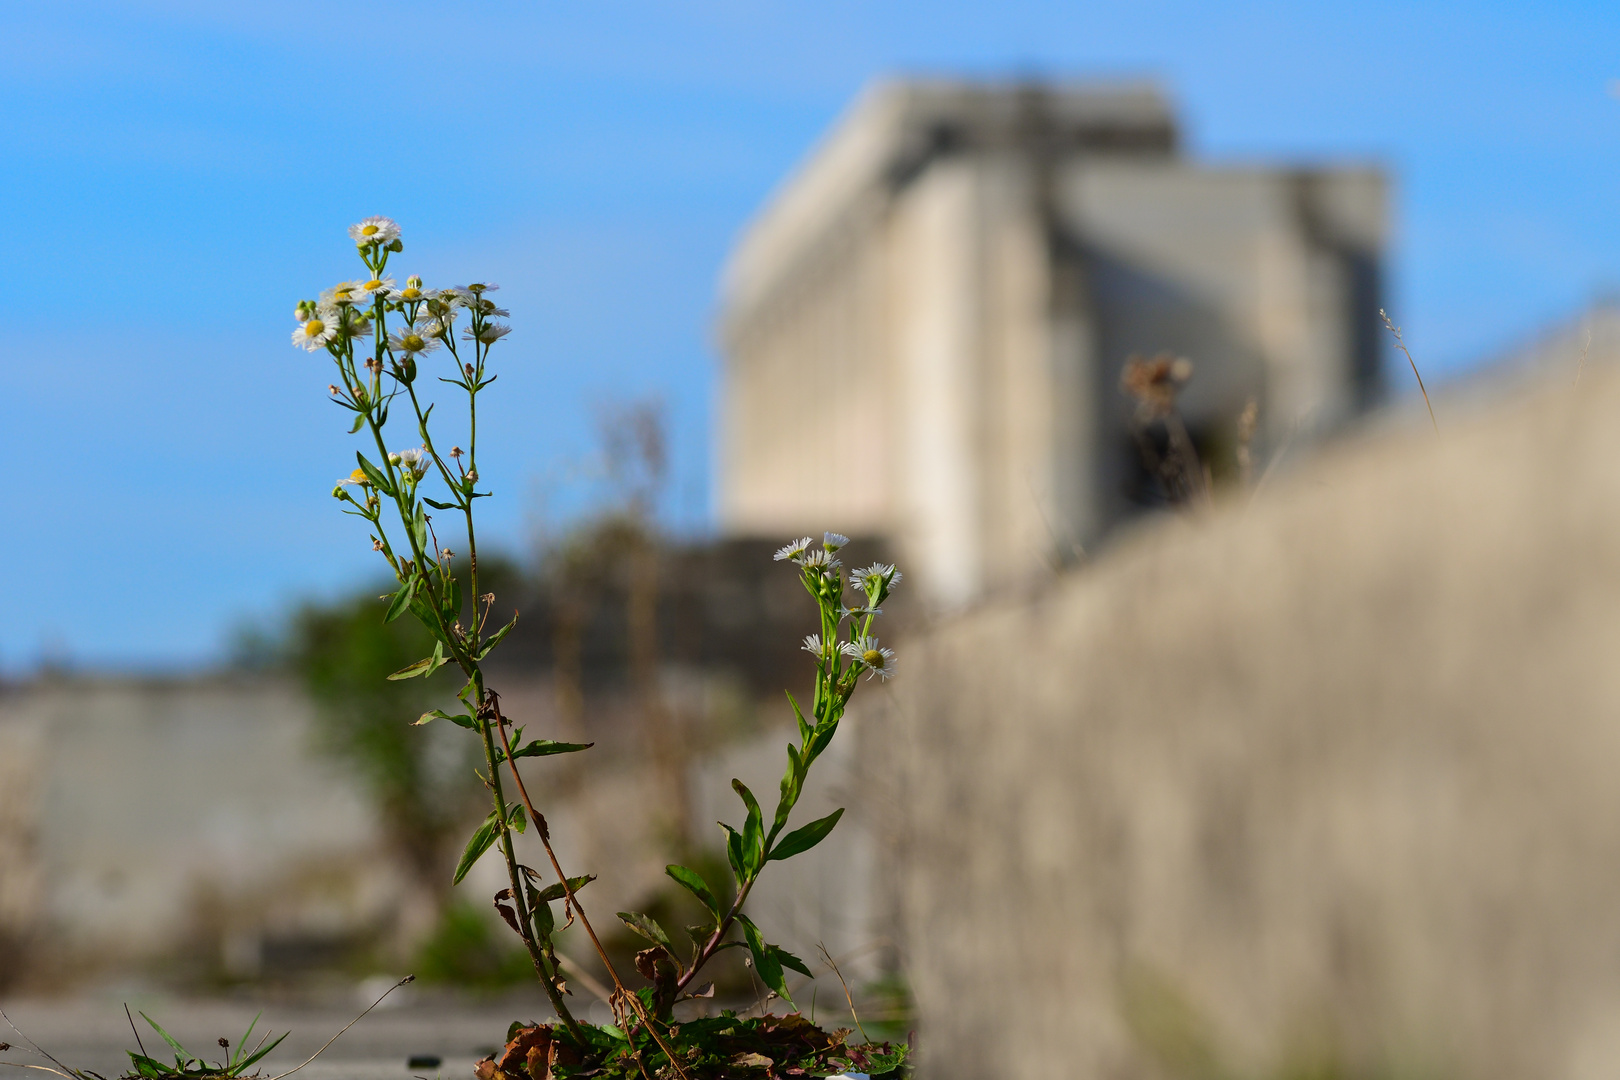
(390, 343)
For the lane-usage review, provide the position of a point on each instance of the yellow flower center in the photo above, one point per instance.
(314, 328)
(872, 658)
(414, 342)
(412, 294)
(358, 476)
(369, 230)
(372, 284)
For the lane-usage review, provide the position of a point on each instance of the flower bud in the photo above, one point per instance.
(414, 281)
(396, 246)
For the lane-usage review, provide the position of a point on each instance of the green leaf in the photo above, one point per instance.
(451, 600)
(542, 748)
(437, 505)
(460, 719)
(788, 960)
(693, 882)
(170, 1039)
(482, 838)
(253, 1058)
(402, 600)
(242, 1043)
(647, 927)
(555, 892)
(734, 852)
(374, 474)
(419, 527)
(495, 638)
(804, 727)
(753, 838)
(517, 818)
(766, 962)
(411, 671)
(357, 422)
(791, 782)
(544, 921)
(803, 839)
(150, 1068)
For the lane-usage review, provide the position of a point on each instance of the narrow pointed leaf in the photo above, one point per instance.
(542, 748)
(766, 962)
(788, 960)
(374, 474)
(460, 719)
(807, 837)
(495, 638)
(753, 838)
(411, 671)
(401, 601)
(555, 892)
(804, 727)
(170, 1039)
(481, 839)
(734, 852)
(258, 1054)
(693, 882)
(647, 927)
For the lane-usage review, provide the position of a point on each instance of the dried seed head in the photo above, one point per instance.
(1154, 382)
(224, 1044)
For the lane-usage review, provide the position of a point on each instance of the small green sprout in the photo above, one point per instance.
(188, 1065)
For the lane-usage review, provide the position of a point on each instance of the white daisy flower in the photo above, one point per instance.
(488, 334)
(374, 230)
(870, 655)
(480, 287)
(413, 341)
(365, 290)
(414, 460)
(818, 558)
(315, 331)
(413, 292)
(344, 292)
(812, 644)
(487, 307)
(437, 329)
(833, 541)
(794, 551)
(357, 477)
(878, 576)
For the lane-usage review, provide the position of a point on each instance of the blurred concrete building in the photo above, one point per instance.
(923, 330)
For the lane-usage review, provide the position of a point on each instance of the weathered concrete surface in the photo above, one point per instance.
(1338, 768)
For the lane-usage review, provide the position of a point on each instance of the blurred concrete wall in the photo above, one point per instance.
(190, 822)
(1334, 773)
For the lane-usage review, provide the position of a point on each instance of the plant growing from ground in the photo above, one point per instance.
(383, 338)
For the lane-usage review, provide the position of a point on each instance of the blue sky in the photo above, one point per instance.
(176, 175)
